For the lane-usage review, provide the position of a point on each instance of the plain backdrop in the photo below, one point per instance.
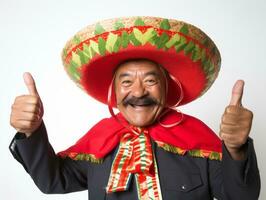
(33, 33)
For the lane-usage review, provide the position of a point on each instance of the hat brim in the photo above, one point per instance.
(92, 55)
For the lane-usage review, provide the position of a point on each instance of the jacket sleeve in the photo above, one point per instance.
(237, 180)
(51, 173)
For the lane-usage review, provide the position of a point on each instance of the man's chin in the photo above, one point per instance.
(140, 122)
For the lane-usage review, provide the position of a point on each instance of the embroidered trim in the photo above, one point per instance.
(84, 156)
(212, 155)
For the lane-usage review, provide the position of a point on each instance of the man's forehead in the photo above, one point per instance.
(148, 66)
(129, 73)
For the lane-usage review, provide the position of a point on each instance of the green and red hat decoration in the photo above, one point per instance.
(187, 53)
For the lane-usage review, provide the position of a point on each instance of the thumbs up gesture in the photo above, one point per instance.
(27, 110)
(236, 123)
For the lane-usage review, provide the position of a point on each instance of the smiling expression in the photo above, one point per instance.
(140, 91)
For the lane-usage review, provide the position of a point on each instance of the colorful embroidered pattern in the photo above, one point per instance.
(84, 156)
(212, 155)
(134, 157)
(112, 36)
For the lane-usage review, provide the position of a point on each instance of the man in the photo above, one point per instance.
(148, 150)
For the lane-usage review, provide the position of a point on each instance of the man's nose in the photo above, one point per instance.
(138, 89)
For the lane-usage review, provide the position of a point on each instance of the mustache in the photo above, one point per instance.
(140, 101)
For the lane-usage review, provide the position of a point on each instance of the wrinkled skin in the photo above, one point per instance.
(140, 92)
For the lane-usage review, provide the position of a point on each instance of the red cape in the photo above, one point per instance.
(191, 135)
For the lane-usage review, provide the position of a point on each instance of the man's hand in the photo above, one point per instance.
(27, 110)
(236, 123)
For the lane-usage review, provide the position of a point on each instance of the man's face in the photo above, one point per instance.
(140, 91)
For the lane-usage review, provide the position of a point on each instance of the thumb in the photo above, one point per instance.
(30, 83)
(237, 93)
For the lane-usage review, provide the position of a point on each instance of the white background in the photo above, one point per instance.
(32, 34)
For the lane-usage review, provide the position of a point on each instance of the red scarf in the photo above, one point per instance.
(190, 136)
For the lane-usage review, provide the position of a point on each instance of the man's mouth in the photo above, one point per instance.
(141, 105)
(140, 102)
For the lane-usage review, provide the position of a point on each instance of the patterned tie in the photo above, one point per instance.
(135, 156)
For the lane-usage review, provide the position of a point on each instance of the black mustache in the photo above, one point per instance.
(142, 101)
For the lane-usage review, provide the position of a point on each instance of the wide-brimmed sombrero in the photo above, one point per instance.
(186, 52)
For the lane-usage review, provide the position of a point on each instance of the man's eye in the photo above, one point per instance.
(126, 82)
(150, 81)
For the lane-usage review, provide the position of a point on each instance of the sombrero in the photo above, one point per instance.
(186, 52)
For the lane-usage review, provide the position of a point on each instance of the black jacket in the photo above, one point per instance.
(181, 177)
